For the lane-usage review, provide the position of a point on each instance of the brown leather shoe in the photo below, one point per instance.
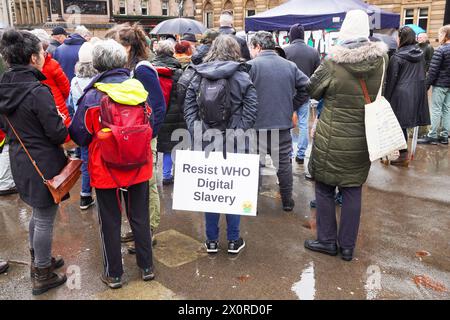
(57, 262)
(45, 279)
(3, 266)
(402, 160)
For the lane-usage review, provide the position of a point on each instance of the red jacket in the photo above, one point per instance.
(59, 85)
(84, 131)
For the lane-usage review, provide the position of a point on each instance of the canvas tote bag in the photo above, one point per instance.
(383, 132)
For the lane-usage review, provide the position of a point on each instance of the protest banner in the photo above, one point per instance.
(215, 184)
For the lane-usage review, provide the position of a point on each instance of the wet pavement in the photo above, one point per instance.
(403, 249)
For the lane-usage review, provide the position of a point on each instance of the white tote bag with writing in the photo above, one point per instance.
(383, 132)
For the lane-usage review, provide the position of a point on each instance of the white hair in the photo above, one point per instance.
(42, 36)
(226, 20)
(83, 31)
(165, 47)
(108, 55)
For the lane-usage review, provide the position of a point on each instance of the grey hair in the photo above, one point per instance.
(43, 36)
(226, 19)
(83, 31)
(108, 55)
(224, 48)
(264, 39)
(165, 47)
(85, 70)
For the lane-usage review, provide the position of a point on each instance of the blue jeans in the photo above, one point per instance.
(86, 189)
(303, 117)
(212, 226)
(167, 165)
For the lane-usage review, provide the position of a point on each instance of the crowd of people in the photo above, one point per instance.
(64, 94)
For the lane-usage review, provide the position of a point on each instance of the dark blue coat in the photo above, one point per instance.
(67, 54)
(439, 72)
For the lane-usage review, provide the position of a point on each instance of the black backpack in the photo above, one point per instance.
(213, 99)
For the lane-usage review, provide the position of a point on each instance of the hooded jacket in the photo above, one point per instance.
(245, 52)
(67, 54)
(242, 94)
(30, 107)
(406, 88)
(59, 86)
(339, 155)
(277, 82)
(54, 44)
(439, 72)
(174, 114)
(86, 125)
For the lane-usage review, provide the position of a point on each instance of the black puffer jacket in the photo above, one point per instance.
(405, 87)
(174, 114)
(439, 72)
(31, 109)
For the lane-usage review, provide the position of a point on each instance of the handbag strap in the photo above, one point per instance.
(26, 150)
(365, 91)
(364, 86)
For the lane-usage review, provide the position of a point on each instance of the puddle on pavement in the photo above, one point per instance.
(305, 289)
(429, 283)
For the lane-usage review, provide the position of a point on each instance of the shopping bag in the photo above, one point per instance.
(383, 132)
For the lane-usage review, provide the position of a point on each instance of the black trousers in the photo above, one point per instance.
(327, 230)
(110, 219)
(280, 149)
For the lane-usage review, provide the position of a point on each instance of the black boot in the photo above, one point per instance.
(288, 203)
(57, 263)
(3, 266)
(317, 246)
(45, 279)
(346, 254)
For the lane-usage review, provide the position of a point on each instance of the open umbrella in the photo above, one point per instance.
(179, 26)
(415, 28)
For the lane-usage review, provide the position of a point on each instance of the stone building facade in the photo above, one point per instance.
(97, 15)
(208, 11)
(429, 14)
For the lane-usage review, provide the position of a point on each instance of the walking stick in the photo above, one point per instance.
(414, 142)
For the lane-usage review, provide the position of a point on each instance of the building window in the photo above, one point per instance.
(122, 7)
(251, 12)
(208, 18)
(165, 8)
(422, 18)
(409, 16)
(144, 7)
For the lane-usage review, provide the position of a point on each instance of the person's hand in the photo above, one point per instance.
(69, 145)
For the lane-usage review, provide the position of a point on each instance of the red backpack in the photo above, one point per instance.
(127, 145)
(166, 82)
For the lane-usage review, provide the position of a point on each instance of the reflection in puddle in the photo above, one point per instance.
(305, 289)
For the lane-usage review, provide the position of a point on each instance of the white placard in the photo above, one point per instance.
(215, 184)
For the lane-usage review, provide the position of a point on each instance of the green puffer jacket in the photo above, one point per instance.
(339, 155)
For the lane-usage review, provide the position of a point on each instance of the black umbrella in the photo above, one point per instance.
(179, 26)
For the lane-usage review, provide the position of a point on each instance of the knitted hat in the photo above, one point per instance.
(297, 31)
(85, 53)
(355, 26)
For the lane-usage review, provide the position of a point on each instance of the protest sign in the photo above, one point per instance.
(215, 184)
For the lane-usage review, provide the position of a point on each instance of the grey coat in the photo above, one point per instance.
(243, 94)
(277, 82)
